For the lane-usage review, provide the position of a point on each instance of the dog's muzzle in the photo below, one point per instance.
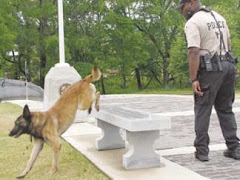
(15, 133)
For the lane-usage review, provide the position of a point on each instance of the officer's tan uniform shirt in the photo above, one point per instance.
(201, 31)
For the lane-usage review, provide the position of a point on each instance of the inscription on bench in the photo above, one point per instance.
(125, 113)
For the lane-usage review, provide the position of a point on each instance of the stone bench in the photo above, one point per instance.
(139, 129)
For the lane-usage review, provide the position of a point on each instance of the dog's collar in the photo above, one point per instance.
(34, 133)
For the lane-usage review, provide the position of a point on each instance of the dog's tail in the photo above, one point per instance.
(96, 75)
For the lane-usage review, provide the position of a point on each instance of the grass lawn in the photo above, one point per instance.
(14, 155)
(182, 91)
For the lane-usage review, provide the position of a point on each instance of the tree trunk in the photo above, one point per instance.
(124, 85)
(165, 73)
(43, 60)
(43, 56)
(138, 78)
(148, 82)
(155, 76)
(103, 86)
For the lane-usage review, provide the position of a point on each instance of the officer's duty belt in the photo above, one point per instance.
(212, 63)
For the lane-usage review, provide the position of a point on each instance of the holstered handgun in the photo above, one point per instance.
(218, 60)
(208, 62)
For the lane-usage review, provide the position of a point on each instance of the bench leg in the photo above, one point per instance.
(110, 138)
(141, 153)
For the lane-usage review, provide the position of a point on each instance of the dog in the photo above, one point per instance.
(46, 127)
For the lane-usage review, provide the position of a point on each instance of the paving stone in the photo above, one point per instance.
(182, 134)
(218, 168)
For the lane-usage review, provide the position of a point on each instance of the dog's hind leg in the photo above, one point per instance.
(56, 146)
(97, 102)
(90, 110)
(38, 145)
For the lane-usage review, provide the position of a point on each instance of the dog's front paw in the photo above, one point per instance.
(21, 176)
(97, 107)
(52, 171)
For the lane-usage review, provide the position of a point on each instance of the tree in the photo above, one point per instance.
(34, 22)
(8, 33)
(158, 21)
(142, 39)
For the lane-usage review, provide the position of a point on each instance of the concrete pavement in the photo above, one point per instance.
(174, 146)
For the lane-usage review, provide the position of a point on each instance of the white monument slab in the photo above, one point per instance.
(62, 75)
(56, 79)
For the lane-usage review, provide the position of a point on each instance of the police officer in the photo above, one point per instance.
(212, 75)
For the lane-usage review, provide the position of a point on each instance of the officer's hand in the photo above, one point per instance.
(196, 88)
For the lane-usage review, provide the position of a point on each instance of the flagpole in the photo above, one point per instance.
(62, 73)
(61, 35)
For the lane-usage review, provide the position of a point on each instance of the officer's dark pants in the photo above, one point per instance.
(218, 88)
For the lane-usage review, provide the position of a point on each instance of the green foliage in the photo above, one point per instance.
(8, 28)
(139, 38)
(178, 63)
(52, 50)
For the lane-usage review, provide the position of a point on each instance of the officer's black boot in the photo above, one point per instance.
(200, 157)
(235, 153)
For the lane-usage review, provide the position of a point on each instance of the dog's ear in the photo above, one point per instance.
(26, 112)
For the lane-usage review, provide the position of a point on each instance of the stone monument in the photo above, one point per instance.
(62, 74)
